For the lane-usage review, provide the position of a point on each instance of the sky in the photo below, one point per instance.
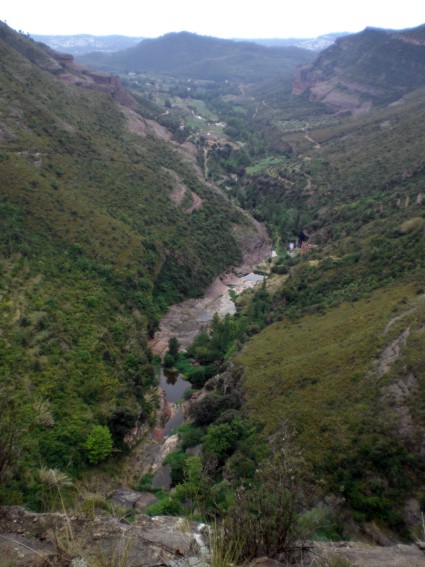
(219, 18)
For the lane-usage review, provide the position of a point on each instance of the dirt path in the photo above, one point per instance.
(206, 163)
(316, 144)
(196, 204)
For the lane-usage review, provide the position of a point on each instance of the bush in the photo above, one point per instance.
(167, 506)
(168, 360)
(208, 409)
(190, 435)
(98, 444)
(265, 518)
(176, 462)
(197, 376)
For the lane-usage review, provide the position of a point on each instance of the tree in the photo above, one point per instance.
(99, 444)
(222, 438)
(173, 348)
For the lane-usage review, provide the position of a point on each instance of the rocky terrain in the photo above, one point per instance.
(185, 320)
(364, 70)
(39, 540)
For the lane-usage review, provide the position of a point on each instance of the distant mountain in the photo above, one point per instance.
(81, 44)
(311, 43)
(372, 67)
(84, 43)
(187, 55)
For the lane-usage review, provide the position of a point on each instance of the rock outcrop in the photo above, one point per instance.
(28, 539)
(37, 540)
(102, 82)
(365, 69)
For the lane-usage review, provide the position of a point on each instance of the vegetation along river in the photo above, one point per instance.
(184, 321)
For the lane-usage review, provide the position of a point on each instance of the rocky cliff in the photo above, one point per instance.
(72, 73)
(64, 66)
(366, 69)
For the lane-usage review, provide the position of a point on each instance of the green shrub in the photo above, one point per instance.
(167, 506)
(98, 444)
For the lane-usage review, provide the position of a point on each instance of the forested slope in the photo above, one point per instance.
(93, 248)
(343, 361)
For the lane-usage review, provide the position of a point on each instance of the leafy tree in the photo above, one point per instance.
(222, 438)
(207, 410)
(173, 348)
(195, 487)
(197, 376)
(99, 444)
(168, 360)
(121, 422)
(176, 461)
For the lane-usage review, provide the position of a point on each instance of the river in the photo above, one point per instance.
(174, 387)
(184, 321)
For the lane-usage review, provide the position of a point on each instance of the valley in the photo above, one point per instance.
(247, 222)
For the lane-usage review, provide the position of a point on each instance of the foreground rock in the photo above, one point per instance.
(38, 540)
(28, 539)
(364, 555)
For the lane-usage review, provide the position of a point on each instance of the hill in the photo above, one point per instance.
(370, 68)
(342, 360)
(94, 246)
(187, 55)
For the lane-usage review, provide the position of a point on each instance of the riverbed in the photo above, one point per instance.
(186, 319)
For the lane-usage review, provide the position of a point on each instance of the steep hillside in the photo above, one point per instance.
(94, 245)
(187, 55)
(373, 67)
(343, 362)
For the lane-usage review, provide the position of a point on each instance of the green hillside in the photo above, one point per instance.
(343, 361)
(187, 55)
(93, 249)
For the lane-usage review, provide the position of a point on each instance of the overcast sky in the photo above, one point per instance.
(219, 18)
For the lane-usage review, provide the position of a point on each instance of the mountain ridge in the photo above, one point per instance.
(373, 67)
(187, 55)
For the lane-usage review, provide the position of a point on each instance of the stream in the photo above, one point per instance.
(184, 321)
(174, 387)
(198, 313)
